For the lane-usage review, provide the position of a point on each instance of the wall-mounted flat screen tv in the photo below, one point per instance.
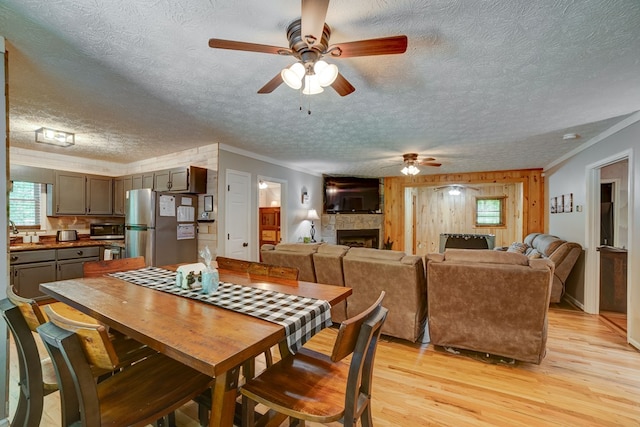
(351, 195)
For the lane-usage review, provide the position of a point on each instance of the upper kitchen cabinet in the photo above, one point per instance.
(119, 187)
(190, 179)
(99, 195)
(141, 180)
(80, 194)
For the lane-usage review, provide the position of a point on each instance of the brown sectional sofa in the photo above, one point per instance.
(327, 263)
(490, 301)
(563, 254)
(367, 272)
(299, 255)
(402, 277)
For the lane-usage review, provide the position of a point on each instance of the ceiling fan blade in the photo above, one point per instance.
(428, 159)
(272, 84)
(248, 47)
(437, 165)
(314, 12)
(381, 46)
(342, 86)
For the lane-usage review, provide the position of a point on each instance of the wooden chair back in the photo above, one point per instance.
(97, 346)
(30, 309)
(351, 329)
(100, 268)
(32, 387)
(232, 264)
(257, 268)
(139, 395)
(324, 391)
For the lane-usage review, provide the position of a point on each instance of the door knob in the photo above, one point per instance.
(245, 244)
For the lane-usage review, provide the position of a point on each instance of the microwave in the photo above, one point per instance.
(106, 231)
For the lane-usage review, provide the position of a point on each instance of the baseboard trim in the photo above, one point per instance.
(574, 301)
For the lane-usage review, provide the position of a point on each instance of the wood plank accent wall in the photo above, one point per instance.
(531, 211)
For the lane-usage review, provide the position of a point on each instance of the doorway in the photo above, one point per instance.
(270, 214)
(607, 239)
(613, 243)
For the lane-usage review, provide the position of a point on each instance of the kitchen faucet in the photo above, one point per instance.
(14, 229)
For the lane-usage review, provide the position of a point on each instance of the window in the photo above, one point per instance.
(24, 203)
(490, 211)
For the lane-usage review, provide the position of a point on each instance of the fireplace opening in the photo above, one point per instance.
(364, 238)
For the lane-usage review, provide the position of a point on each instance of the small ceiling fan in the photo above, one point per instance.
(309, 43)
(411, 163)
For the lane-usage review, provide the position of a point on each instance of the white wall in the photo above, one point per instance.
(294, 227)
(573, 175)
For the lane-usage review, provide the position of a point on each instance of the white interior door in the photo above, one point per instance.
(237, 211)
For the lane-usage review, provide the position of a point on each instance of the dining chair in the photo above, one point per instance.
(269, 270)
(36, 372)
(36, 375)
(311, 386)
(253, 269)
(232, 264)
(140, 394)
(100, 268)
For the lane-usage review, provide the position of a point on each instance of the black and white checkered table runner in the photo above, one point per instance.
(301, 317)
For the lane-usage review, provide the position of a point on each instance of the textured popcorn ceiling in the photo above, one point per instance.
(484, 85)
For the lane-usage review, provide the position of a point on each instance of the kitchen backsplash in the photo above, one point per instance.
(53, 224)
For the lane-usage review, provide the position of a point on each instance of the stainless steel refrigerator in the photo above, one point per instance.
(161, 227)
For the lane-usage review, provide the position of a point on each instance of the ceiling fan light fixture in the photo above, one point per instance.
(327, 73)
(410, 170)
(293, 75)
(454, 192)
(312, 85)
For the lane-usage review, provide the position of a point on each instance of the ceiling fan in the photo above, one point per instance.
(411, 163)
(309, 43)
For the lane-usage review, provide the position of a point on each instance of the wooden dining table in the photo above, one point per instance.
(214, 340)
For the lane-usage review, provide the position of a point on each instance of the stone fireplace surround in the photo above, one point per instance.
(331, 223)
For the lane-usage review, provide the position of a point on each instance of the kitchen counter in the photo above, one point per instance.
(49, 242)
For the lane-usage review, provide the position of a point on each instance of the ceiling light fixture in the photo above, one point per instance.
(410, 170)
(410, 167)
(313, 76)
(55, 137)
(262, 185)
(454, 191)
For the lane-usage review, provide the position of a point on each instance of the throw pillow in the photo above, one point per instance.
(517, 247)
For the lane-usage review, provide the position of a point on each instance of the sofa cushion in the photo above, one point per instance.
(485, 256)
(546, 244)
(530, 238)
(371, 253)
(332, 250)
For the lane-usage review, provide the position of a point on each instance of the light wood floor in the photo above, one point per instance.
(589, 377)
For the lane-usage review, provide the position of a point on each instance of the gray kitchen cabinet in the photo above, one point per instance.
(72, 268)
(142, 180)
(80, 194)
(30, 268)
(99, 195)
(189, 179)
(27, 278)
(128, 183)
(162, 180)
(118, 195)
(70, 196)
